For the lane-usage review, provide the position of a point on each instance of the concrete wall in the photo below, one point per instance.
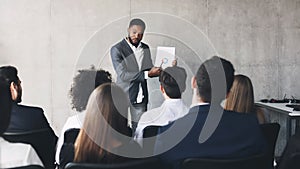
(50, 40)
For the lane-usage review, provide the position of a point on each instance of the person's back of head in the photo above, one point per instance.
(104, 125)
(84, 83)
(207, 71)
(5, 105)
(240, 97)
(173, 81)
(102, 77)
(10, 75)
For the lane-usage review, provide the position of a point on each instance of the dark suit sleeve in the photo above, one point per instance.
(121, 67)
(147, 61)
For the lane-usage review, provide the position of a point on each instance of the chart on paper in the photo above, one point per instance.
(164, 56)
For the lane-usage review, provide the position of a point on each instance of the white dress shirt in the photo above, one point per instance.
(138, 53)
(17, 155)
(76, 122)
(169, 111)
(139, 56)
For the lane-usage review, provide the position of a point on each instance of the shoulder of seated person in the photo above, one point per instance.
(28, 107)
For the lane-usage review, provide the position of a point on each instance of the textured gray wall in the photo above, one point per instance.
(50, 40)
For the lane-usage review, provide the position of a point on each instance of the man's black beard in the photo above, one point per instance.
(136, 45)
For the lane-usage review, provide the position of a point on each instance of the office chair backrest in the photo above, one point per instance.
(294, 161)
(150, 131)
(70, 135)
(43, 141)
(148, 142)
(29, 167)
(151, 163)
(254, 162)
(270, 131)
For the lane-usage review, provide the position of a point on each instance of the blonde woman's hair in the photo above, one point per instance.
(241, 96)
(106, 112)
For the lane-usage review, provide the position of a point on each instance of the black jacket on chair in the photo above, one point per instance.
(29, 125)
(27, 118)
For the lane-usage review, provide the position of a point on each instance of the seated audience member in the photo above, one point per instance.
(23, 118)
(172, 85)
(209, 131)
(241, 98)
(293, 146)
(104, 136)
(83, 85)
(12, 154)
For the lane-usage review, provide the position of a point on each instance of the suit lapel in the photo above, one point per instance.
(129, 55)
(126, 48)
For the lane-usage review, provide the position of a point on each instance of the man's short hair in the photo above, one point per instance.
(173, 80)
(83, 85)
(5, 104)
(138, 22)
(203, 78)
(9, 74)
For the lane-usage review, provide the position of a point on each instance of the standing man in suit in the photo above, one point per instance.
(23, 118)
(132, 62)
(208, 131)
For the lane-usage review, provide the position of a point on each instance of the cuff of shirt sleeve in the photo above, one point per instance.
(146, 74)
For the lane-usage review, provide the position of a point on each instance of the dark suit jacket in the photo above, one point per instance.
(237, 135)
(129, 77)
(26, 118)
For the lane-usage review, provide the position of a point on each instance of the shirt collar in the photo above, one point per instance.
(173, 100)
(198, 104)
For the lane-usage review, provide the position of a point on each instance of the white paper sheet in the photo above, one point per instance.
(164, 56)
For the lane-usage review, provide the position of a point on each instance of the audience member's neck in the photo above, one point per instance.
(196, 100)
(166, 97)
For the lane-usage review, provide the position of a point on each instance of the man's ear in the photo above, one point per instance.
(194, 83)
(14, 91)
(128, 30)
(161, 88)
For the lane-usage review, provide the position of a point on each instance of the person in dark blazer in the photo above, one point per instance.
(23, 118)
(208, 131)
(133, 64)
(12, 155)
